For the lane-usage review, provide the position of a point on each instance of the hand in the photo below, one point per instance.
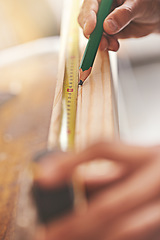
(128, 207)
(128, 19)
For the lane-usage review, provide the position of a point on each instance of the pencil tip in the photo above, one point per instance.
(80, 83)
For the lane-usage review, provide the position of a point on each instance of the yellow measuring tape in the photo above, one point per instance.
(69, 97)
(70, 84)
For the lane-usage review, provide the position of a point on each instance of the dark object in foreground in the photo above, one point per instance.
(52, 203)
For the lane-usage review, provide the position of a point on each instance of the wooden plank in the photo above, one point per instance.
(57, 104)
(97, 115)
(95, 106)
(95, 109)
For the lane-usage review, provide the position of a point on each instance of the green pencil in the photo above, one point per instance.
(94, 41)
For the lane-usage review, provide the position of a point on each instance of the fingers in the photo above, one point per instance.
(88, 19)
(71, 227)
(129, 19)
(104, 44)
(88, 16)
(55, 173)
(142, 223)
(107, 210)
(40, 233)
(134, 30)
(109, 43)
(121, 17)
(90, 24)
(137, 223)
(141, 187)
(97, 177)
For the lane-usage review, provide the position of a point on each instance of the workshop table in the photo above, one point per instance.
(24, 124)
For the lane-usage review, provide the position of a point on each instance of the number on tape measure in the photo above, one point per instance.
(70, 85)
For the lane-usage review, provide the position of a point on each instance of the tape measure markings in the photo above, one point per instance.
(70, 85)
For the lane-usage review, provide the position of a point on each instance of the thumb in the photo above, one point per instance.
(120, 17)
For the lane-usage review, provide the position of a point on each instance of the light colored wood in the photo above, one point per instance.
(95, 105)
(57, 104)
(95, 118)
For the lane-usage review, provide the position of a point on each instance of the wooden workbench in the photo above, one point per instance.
(24, 123)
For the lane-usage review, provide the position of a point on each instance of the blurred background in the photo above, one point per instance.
(139, 90)
(29, 49)
(22, 21)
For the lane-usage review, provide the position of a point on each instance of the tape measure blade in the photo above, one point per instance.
(70, 85)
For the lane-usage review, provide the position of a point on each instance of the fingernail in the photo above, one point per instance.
(111, 25)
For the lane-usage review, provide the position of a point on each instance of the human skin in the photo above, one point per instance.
(128, 206)
(128, 19)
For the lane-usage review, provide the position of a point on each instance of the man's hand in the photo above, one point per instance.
(128, 19)
(128, 205)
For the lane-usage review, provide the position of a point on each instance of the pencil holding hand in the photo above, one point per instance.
(94, 41)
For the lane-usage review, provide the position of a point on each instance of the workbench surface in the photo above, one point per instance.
(24, 125)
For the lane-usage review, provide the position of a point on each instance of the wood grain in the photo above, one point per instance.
(24, 121)
(95, 118)
(95, 102)
(53, 138)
